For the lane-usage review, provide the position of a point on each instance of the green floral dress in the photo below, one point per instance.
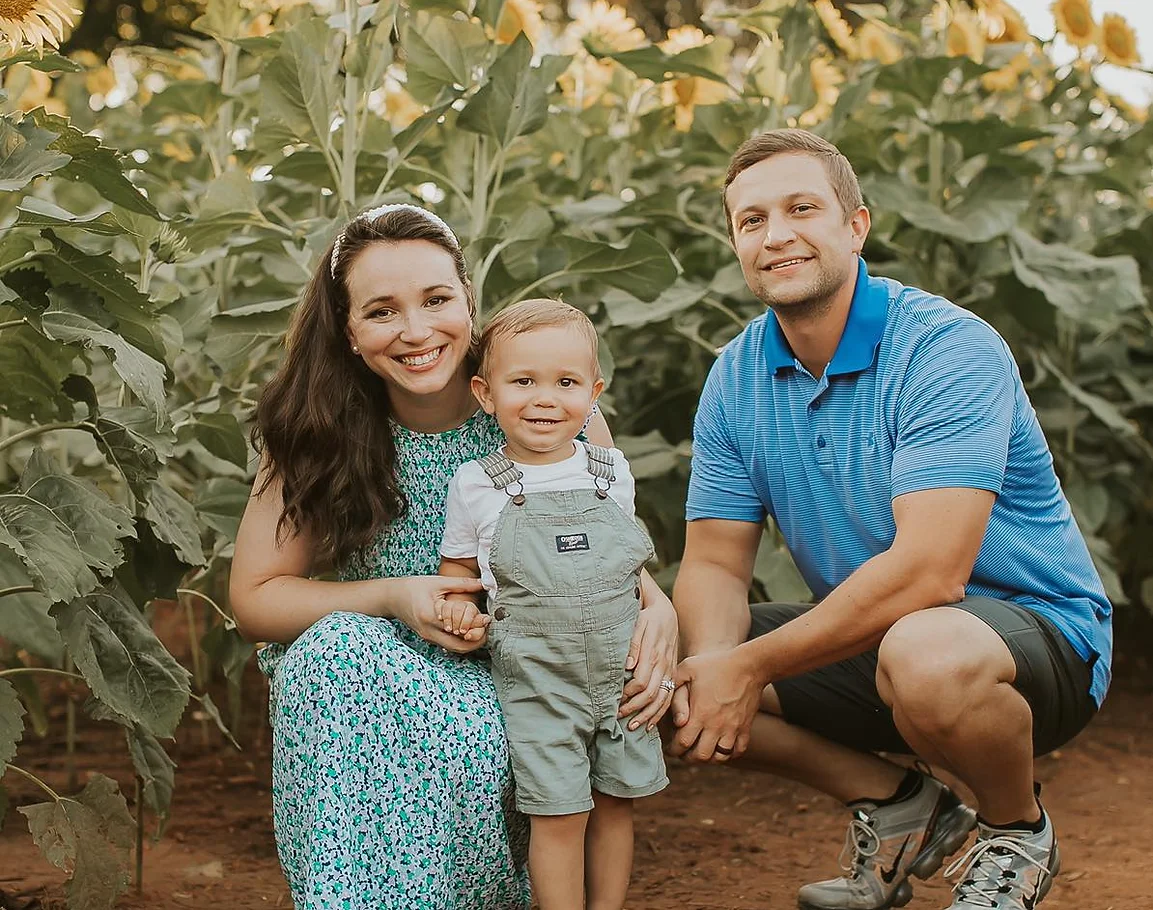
(390, 769)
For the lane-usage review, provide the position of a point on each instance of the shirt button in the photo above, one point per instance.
(816, 405)
(637, 592)
(820, 442)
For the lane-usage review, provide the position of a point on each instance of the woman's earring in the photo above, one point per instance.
(355, 349)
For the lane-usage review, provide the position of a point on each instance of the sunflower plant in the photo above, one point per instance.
(157, 235)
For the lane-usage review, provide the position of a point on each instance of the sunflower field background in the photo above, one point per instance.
(162, 209)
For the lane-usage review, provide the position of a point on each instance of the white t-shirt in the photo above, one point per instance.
(474, 504)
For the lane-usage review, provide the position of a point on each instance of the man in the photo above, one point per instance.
(960, 618)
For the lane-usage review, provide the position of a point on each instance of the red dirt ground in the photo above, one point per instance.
(717, 839)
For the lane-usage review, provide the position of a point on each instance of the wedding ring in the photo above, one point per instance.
(668, 684)
(723, 750)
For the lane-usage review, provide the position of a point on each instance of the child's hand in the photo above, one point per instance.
(461, 617)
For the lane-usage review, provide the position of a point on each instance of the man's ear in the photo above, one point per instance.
(860, 224)
(482, 393)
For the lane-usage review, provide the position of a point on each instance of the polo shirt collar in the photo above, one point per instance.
(859, 341)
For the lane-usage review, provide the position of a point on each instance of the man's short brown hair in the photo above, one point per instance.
(529, 315)
(841, 175)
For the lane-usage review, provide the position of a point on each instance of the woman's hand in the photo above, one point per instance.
(652, 658)
(417, 608)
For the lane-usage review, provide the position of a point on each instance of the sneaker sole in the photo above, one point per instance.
(901, 895)
(955, 826)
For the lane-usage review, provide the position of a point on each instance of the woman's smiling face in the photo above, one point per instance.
(409, 315)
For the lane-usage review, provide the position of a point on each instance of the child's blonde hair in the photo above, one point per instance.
(529, 315)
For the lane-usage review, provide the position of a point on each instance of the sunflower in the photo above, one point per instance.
(1003, 24)
(964, 37)
(35, 22)
(875, 43)
(393, 103)
(604, 28)
(837, 27)
(825, 78)
(1118, 41)
(688, 91)
(518, 16)
(1075, 21)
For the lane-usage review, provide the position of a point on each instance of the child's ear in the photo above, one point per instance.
(482, 393)
(598, 387)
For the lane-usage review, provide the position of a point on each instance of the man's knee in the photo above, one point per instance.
(935, 664)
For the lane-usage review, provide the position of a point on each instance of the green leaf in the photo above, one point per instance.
(62, 528)
(923, 77)
(441, 53)
(199, 99)
(208, 706)
(141, 373)
(221, 19)
(653, 63)
(11, 722)
(38, 214)
(33, 368)
(24, 619)
(91, 837)
(236, 335)
(640, 266)
(25, 154)
(156, 769)
(1092, 291)
(222, 436)
(626, 310)
(974, 219)
(122, 660)
(93, 164)
(228, 650)
(220, 505)
(229, 207)
(102, 275)
(649, 455)
(775, 570)
(299, 87)
(150, 569)
(989, 134)
(514, 100)
(174, 521)
(131, 442)
(44, 61)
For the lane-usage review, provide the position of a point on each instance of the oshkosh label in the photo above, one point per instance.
(570, 543)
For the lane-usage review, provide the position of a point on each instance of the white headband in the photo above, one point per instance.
(372, 214)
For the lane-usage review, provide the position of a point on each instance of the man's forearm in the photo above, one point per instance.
(712, 608)
(852, 619)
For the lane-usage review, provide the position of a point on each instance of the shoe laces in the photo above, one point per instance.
(986, 872)
(861, 844)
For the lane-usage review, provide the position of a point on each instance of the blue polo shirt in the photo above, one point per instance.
(920, 394)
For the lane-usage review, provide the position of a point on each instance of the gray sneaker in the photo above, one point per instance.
(886, 844)
(1006, 870)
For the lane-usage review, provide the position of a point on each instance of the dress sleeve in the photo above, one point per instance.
(719, 485)
(955, 410)
(461, 539)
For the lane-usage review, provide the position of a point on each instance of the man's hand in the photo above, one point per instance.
(724, 692)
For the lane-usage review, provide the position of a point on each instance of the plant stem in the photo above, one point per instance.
(228, 620)
(197, 668)
(721, 308)
(52, 671)
(349, 132)
(11, 324)
(139, 834)
(70, 729)
(44, 428)
(480, 171)
(37, 781)
(18, 589)
(936, 167)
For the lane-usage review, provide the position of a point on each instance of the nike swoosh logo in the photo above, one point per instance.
(887, 875)
(1031, 901)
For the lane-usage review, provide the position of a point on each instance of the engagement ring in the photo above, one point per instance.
(668, 684)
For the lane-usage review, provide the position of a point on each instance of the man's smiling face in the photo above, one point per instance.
(796, 246)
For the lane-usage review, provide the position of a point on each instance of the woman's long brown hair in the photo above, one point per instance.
(322, 424)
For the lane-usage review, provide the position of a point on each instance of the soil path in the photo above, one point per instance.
(717, 839)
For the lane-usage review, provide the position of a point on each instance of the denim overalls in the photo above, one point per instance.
(567, 567)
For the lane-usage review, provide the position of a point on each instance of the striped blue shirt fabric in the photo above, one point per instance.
(920, 394)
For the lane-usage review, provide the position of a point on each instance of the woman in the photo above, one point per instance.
(391, 788)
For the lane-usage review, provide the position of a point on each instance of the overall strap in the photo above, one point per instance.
(601, 467)
(503, 473)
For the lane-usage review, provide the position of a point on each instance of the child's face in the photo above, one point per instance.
(541, 386)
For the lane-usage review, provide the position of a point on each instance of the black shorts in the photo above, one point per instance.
(840, 702)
